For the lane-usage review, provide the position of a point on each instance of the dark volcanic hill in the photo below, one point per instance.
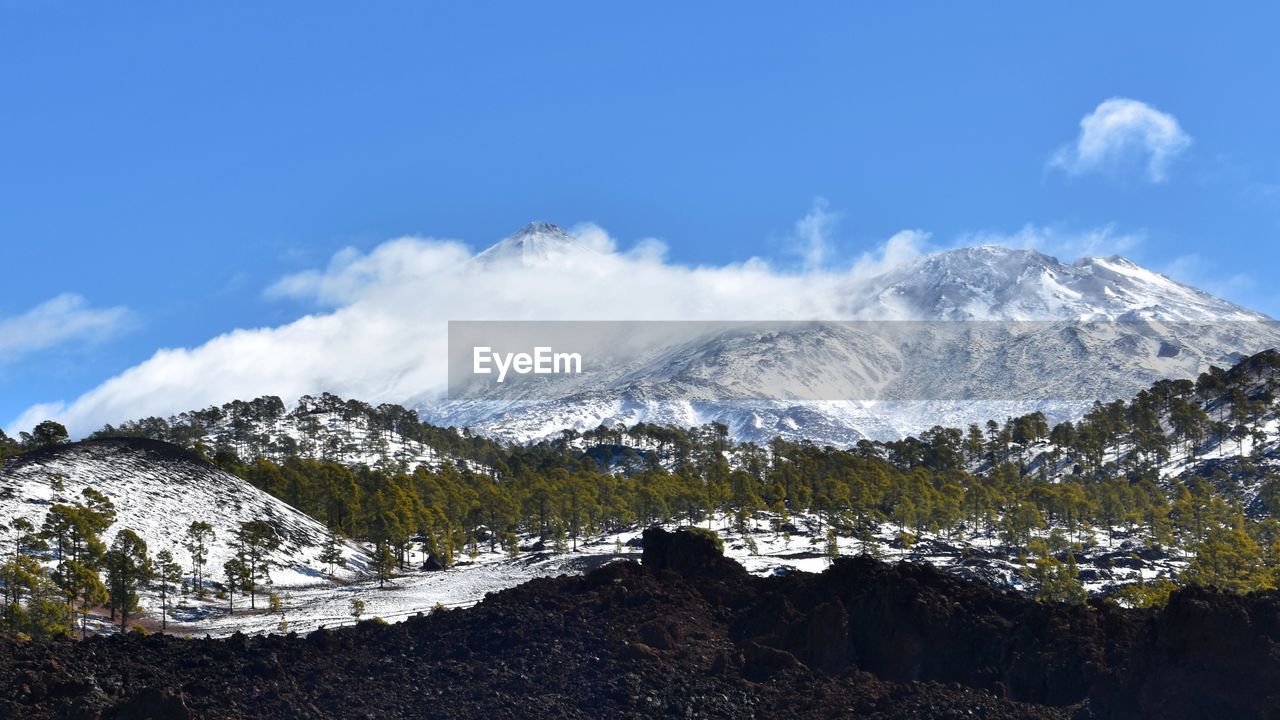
(690, 634)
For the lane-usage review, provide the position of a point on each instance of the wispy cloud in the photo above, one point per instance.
(1062, 243)
(64, 318)
(811, 237)
(1119, 133)
(1195, 269)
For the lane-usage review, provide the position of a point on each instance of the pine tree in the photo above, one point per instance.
(578, 506)
(973, 443)
(199, 535)
(384, 564)
(45, 434)
(500, 511)
(1229, 559)
(1053, 579)
(833, 545)
(47, 614)
(7, 446)
(331, 555)
(128, 571)
(1143, 594)
(19, 569)
(167, 573)
(255, 541)
(83, 586)
(75, 531)
(239, 578)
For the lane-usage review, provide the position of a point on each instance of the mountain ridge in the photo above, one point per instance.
(995, 273)
(1111, 327)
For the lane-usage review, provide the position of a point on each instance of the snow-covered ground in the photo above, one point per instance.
(158, 491)
(306, 608)
(328, 605)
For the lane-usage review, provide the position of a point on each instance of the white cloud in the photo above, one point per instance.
(594, 237)
(61, 319)
(900, 249)
(379, 329)
(812, 234)
(378, 332)
(1121, 131)
(351, 274)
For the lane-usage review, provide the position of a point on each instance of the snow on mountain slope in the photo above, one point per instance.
(536, 244)
(989, 332)
(990, 282)
(158, 490)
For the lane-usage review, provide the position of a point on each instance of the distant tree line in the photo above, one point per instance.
(325, 429)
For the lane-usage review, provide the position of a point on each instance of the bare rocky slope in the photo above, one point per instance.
(690, 634)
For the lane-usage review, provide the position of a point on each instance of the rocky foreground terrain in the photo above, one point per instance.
(687, 633)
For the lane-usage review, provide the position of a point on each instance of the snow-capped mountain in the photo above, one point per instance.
(991, 282)
(158, 490)
(536, 244)
(949, 338)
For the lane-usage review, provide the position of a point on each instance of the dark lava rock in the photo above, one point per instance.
(152, 704)
(687, 551)
(690, 634)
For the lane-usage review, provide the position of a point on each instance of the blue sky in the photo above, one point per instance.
(162, 164)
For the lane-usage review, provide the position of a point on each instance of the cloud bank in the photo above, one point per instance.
(377, 329)
(1121, 131)
(64, 318)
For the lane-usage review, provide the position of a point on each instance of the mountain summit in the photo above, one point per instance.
(992, 282)
(995, 332)
(536, 244)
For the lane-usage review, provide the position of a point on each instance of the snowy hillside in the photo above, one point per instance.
(949, 338)
(1225, 429)
(327, 428)
(158, 490)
